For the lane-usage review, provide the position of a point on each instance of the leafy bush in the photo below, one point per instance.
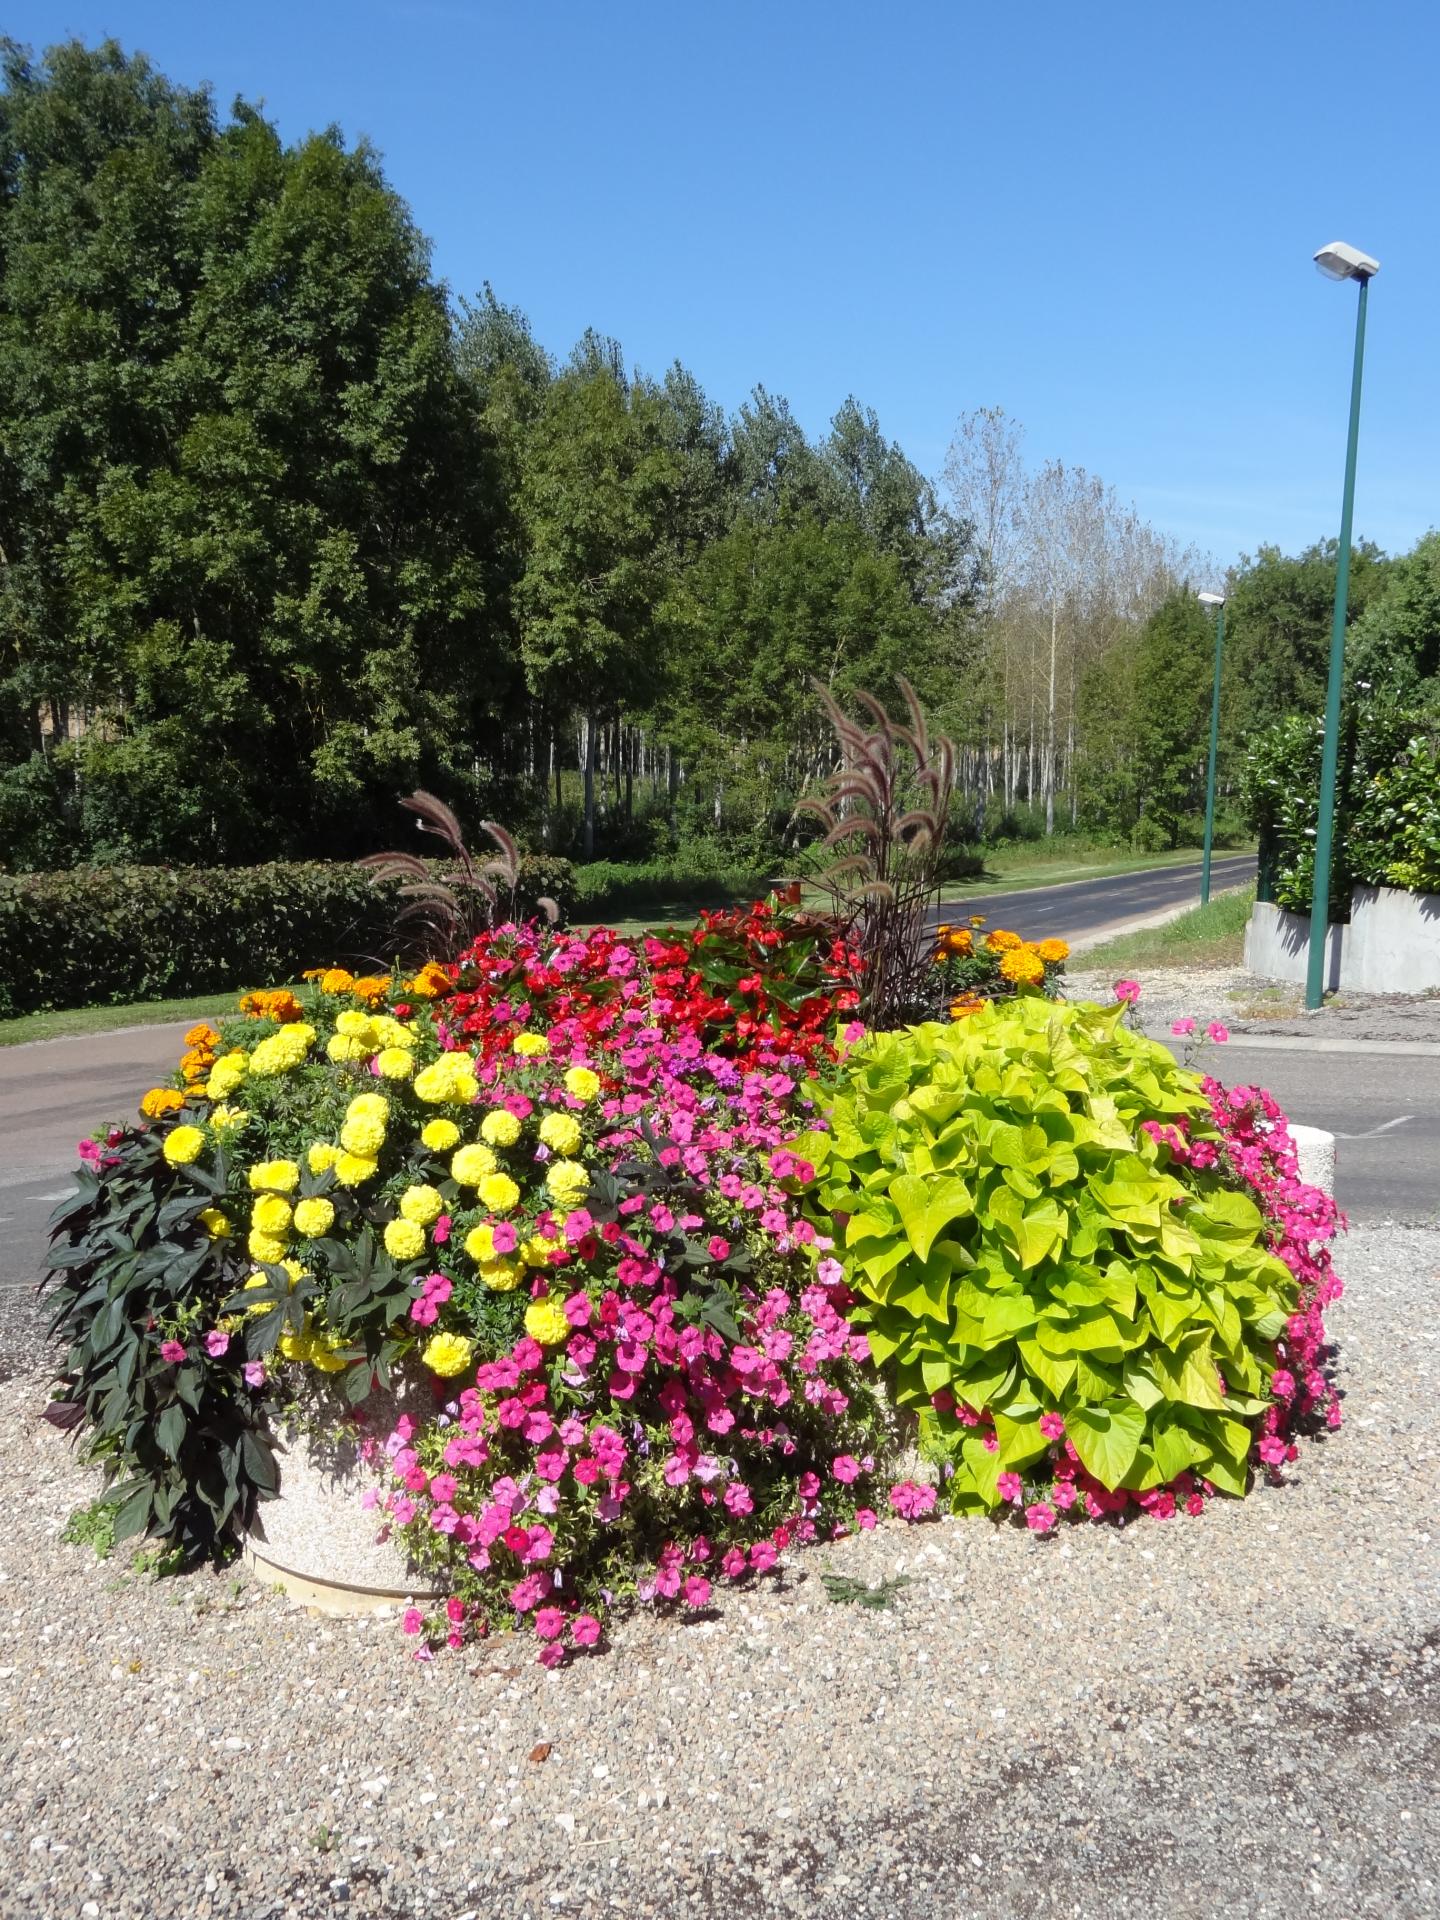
(114, 934)
(1030, 1263)
(617, 889)
(1387, 811)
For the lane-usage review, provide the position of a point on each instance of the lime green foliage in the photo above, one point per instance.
(1017, 1241)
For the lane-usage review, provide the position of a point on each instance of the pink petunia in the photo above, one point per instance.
(1039, 1517)
(217, 1343)
(845, 1468)
(763, 1556)
(1128, 991)
(696, 1591)
(549, 1623)
(414, 1621)
(171, 1352)
(1052, 1425)
(585, 1630)
(254, 1371)
(1218, 1032)
(1009, 1487)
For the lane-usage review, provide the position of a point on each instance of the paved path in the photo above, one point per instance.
(1086, 911)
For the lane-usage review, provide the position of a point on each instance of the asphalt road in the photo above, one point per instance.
(1091, 910)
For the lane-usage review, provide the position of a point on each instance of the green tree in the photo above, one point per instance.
(264, 576)
(1394, 648)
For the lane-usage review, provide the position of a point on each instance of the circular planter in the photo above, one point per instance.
(315, 1539)
(1315, 1157)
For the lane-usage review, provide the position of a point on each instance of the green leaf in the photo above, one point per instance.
(1188, 1373)
(170, 1431)
(928, 1206)
(984, 1468)
(1106, 1438)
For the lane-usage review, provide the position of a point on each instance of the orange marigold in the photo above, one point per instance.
(196, 1063)
(275, 1003)
(202, 1036)
(1023, 966)
(370, 987)
(959, 940)
(430, 982)
(966, 1004)
(1002, 942)
(1052, 952)
(332, 979)
(161, 1100)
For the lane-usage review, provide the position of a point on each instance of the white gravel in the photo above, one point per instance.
(1227, 1717)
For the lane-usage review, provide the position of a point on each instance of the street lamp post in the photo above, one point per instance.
(1337, 262)
(1216, 600)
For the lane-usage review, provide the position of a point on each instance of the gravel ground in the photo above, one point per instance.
(1226, 1717)
(1249, 1004)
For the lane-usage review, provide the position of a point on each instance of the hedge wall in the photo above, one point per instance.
(107, 935)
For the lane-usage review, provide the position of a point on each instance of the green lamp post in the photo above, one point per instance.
(1337, 262)
(1216, 600)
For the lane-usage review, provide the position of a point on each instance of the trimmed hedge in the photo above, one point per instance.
(107, 935)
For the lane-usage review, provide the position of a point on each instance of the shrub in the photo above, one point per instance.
(1387, 816)
(617, 890)
(114, 934)
(1032, 1260)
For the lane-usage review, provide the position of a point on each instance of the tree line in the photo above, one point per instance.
(286, 531)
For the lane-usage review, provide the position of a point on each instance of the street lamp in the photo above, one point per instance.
(1337, 262)
(1216, 600)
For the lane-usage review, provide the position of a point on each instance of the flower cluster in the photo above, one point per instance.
(973, 967)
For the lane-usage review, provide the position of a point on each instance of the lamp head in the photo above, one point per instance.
(1340, 262)
(1211, 599)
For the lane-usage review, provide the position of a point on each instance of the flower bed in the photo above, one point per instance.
(672, 1236)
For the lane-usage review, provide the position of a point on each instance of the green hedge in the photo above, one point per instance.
(618, 889)
(108, 935)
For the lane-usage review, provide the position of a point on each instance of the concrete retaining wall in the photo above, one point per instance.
(1392, 944)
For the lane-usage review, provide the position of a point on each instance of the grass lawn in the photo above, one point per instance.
(140, 1013)
(1212, 936)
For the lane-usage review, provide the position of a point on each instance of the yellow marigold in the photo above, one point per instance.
(422, 1204)
(362, 1133)
(545, 1321)
(355, 1025)
(314, 1217)
(568, 1181)
(183, 1145)
(501, 1276)
(965, 1005)
(447, 1354)
(161, 1100)
(282, 1052)
(1052, 952)
(582, 1082)
(404, 1239)
(500, 1127)
(531, 1045)
(1022, 966)
(345, 1049)
(560, 1132)
(498, 1192)
(271, 1214)
(1000, 941)
(354, 1169)
(217, 1224)
(471, 1165)
(322, 1156)
(223, 1119)
(325, 1352)
(202, 1036)
(394, 1063)
(439, 1135)
(430, 982)
(373, 1105)
(268, 1247)
(480, 1244)
(958, 941)
(296, 1346)
(451, 1077)
(275, 1003)
(536, 1251)
(275, 1176)
(225, 1076)
(392, 1033)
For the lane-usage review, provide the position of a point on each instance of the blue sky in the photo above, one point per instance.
(1099, 217)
